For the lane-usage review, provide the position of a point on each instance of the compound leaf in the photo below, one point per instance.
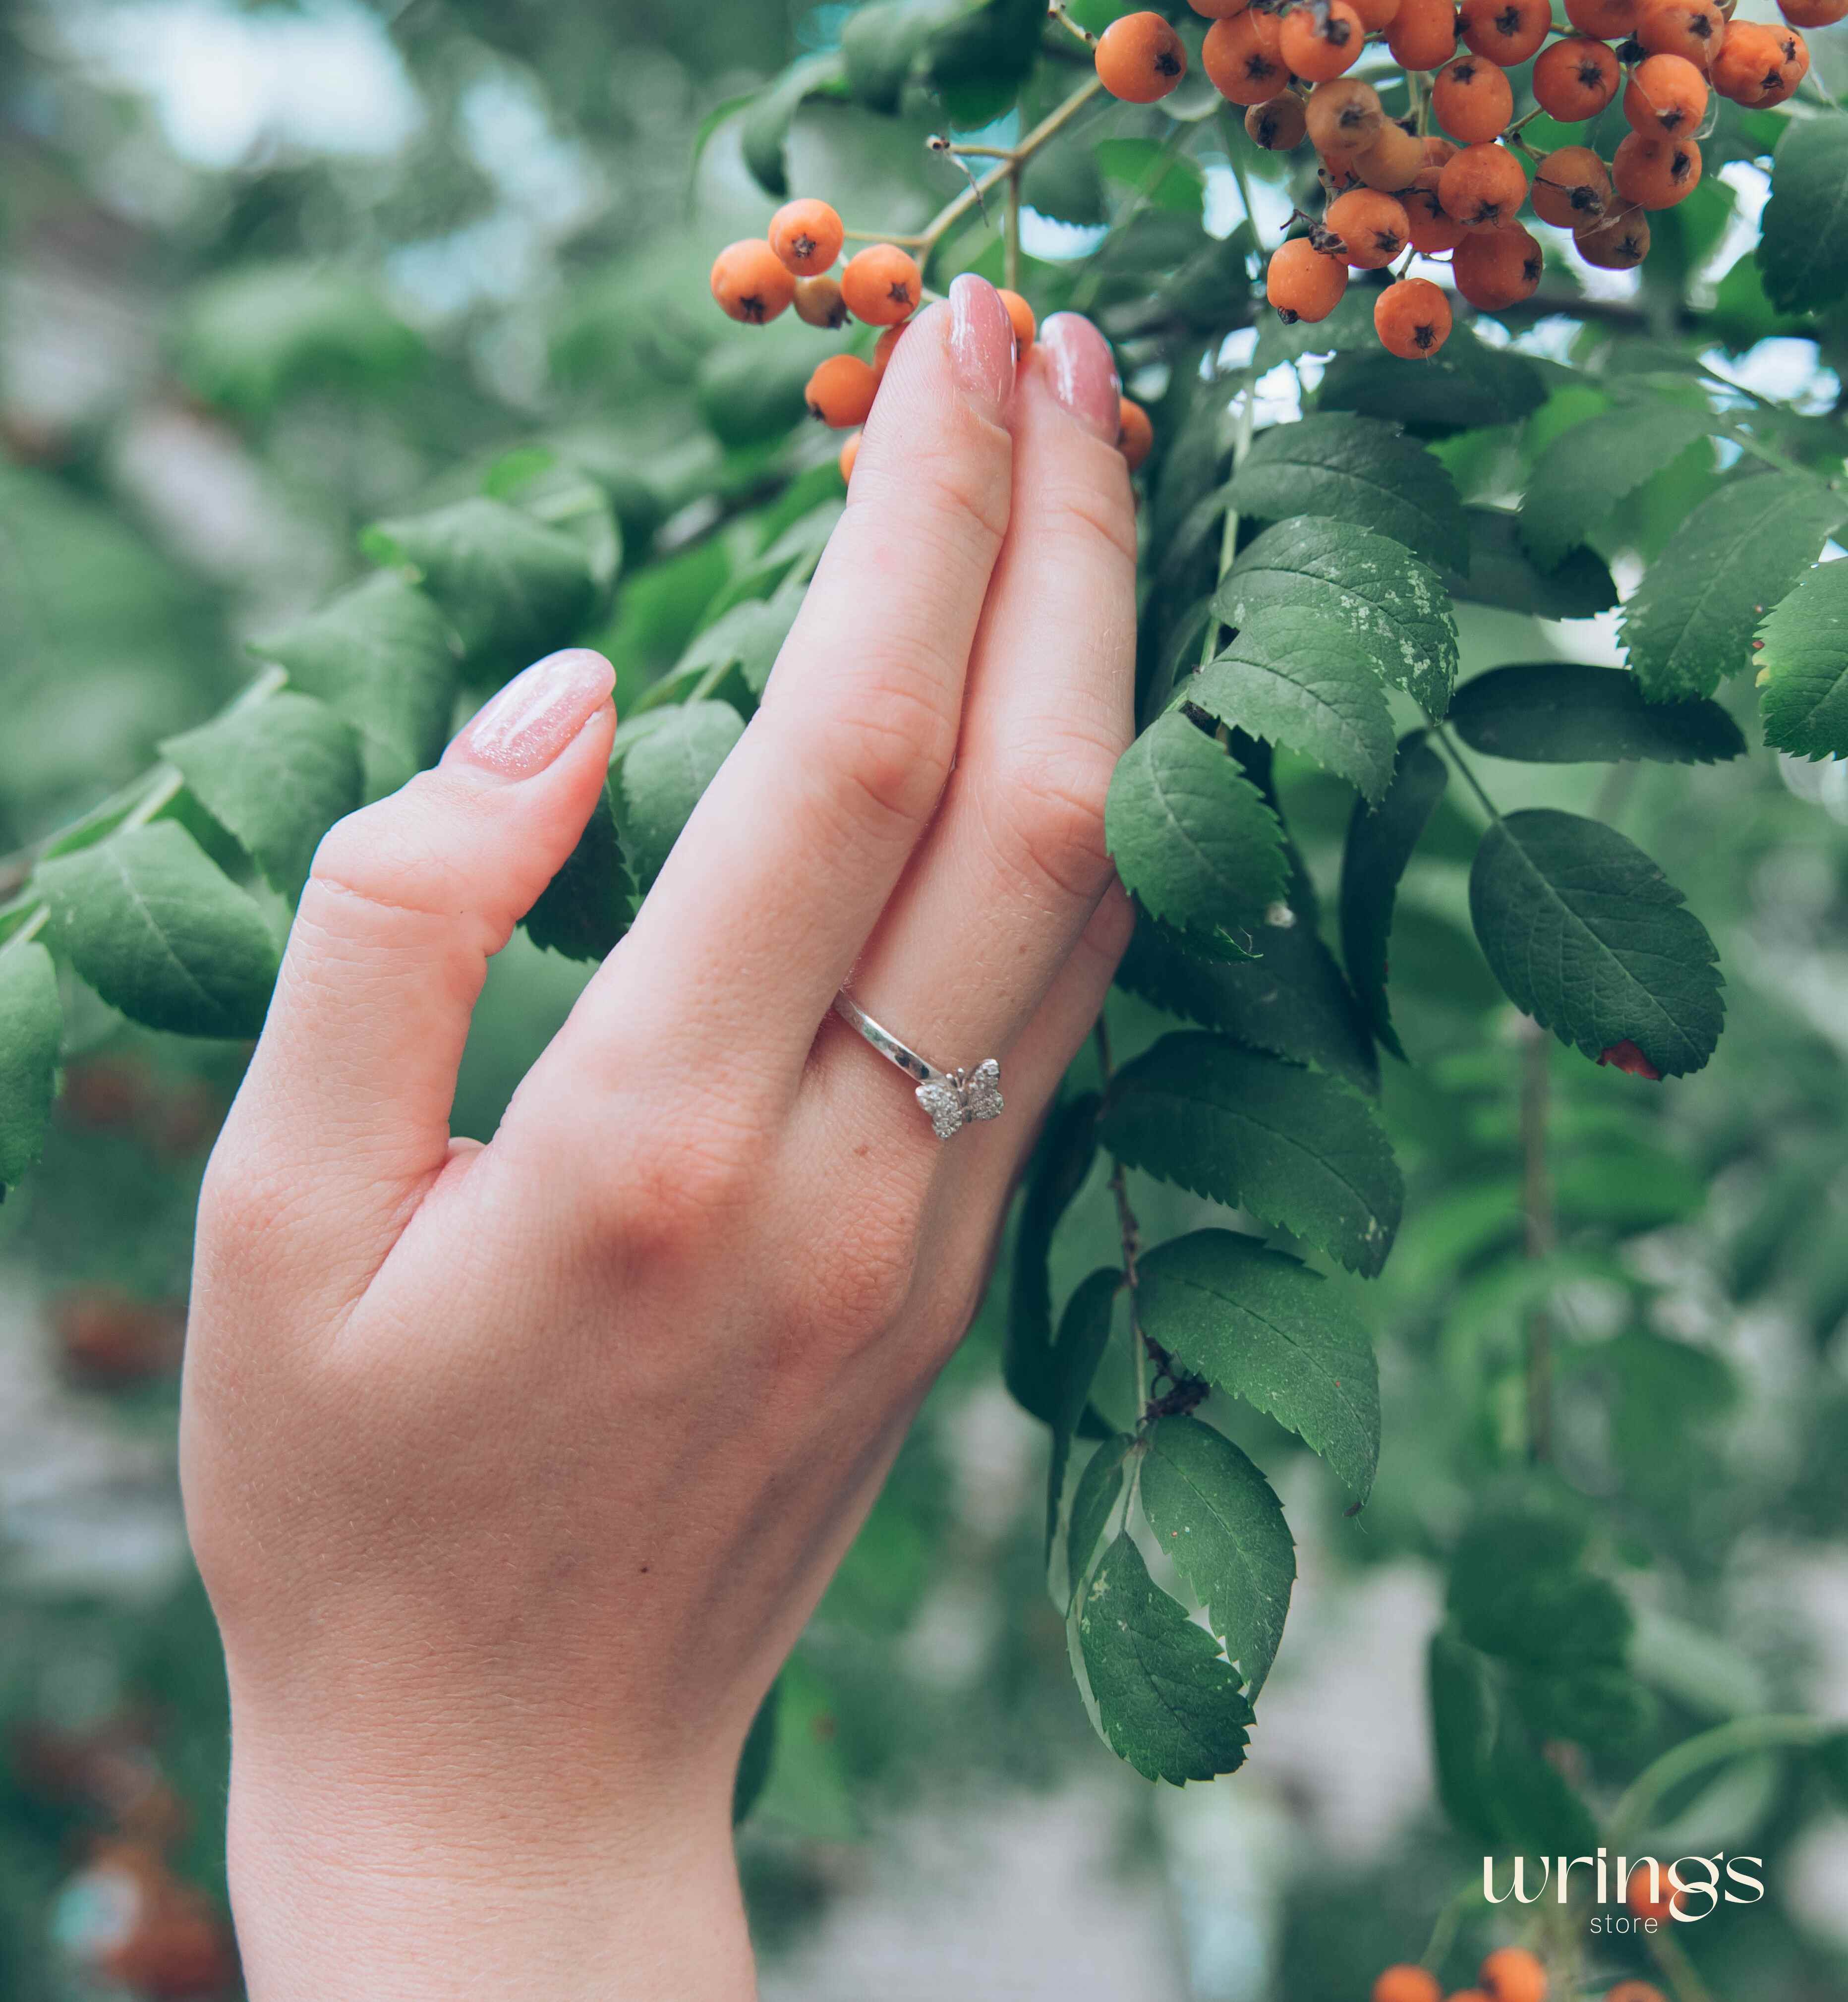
(662, 776)
(1194, 841)
(1061, 1162)
(1294, 1148)
(1083, 1335)
(1803, 665)
(1265, 1327)
(1564, 712)
(1396, 609)
(1587, 936)
(1380, 843)
(1218, 1518)
(1169, 1703)
(1580, 478)
(1360, 470)
(277, 776)
(1692, 616)
(1803, 252)
(161, 933)
(585, 909)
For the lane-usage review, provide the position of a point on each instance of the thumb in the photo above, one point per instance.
(343, 1118)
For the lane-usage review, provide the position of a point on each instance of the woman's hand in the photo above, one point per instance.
(513, 1471)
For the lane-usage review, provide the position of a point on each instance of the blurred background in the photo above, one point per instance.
(269, 272)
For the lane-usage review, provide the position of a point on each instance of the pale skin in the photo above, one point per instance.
(513, 1471)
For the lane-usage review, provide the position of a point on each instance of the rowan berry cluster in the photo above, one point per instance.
(1394, 188)
(1510, 1974)
(882, 286)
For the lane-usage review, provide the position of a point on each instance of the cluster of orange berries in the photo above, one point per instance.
(756, 279)
(1391, 190)
(1510, 1974)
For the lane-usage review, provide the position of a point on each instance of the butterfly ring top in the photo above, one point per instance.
(952, 1097)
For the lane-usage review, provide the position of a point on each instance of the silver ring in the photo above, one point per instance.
(952, 1097)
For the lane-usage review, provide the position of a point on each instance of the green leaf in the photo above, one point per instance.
(1061, 1162)
(1692, 618)
(1563, 713)
(1061, 181)
(1194, 840)
(757, 1756)
(750, 389)
(277, 774)
(380, 656)
(1500, 572)
(1468, 385)
(512, 588)
(765, 133)
(1169, 1704)
(585, 909)
(1293, 1147)
(1083, 1335)
(1100, 1489)
(32, 1023)
(1803, 250)
(1580, 478)
(1396, 609)
(1802, 666)
(1587, 936)
(1265, 1327)
(748, 637)
(1298, 678)
(1380, 844)
(1464, 1721)
(661, 780)
(1288, 997)
(1219, 1520)
(162, 934)
(1358, 470)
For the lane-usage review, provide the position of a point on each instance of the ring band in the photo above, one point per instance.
(951, 1097)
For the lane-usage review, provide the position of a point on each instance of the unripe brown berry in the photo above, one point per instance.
(1140, 59)
(1278, 124)
(819, 302)
(1343, 115)
(750, 282)
(1618, 243)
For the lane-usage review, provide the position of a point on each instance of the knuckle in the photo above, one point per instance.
(893, 753)
(677, 1193)
(1050, 797)
(390, 860)
(1096, 514)
(850, 1297)
(967, 491)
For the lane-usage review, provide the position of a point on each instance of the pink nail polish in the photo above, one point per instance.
(523, 728)
(981, 345)
(1083, 372)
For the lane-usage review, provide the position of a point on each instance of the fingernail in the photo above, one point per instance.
(523, 727)
(1083, 373)
(981, 345)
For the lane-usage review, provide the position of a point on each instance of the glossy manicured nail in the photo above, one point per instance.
(1083, 372)
(538, 713)
(981, 345)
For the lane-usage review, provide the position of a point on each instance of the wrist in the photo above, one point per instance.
(347, 1883)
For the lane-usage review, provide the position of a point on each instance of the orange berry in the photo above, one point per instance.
(1604, 20)
(1269, 28)
(1238, 65)
(1433, 232)
(1469, 1995)
(750, 282)
(1812, 13)
(883, 347)
(1439, 151)
(1655, 172)
(1506, 31)
(1413, 321)
(1483, 186)
(840, 392)
(819, 302)
(1634, 1991)
(1572, 188)
(1318, 47)
(1135, 435)
(849, 452)
(808, 236)
(1337, 174)
(1665, 95)
(1218, 10)
(1370, 226)
(882, 284)
(1140, 59)
(1636, 1893)
(1473, 100)
(1343, 115)
(1021, 314)
(1423, 35)
(1376, 14)
(1278, 124)
(1575, 79)
(1392, 163)
(1618, 243)
(1497, 268)
(1512, 1974)
(1406, 1983)
(1691, 28)
(1302, 283)
(1758, 65)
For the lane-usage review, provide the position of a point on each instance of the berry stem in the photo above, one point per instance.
(35, 923)
(1447, 744)
(1058, 14)
(1445, 1927)
(1747, 442)
(1736, 1739)
(1677, 1969)
(953, 211)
